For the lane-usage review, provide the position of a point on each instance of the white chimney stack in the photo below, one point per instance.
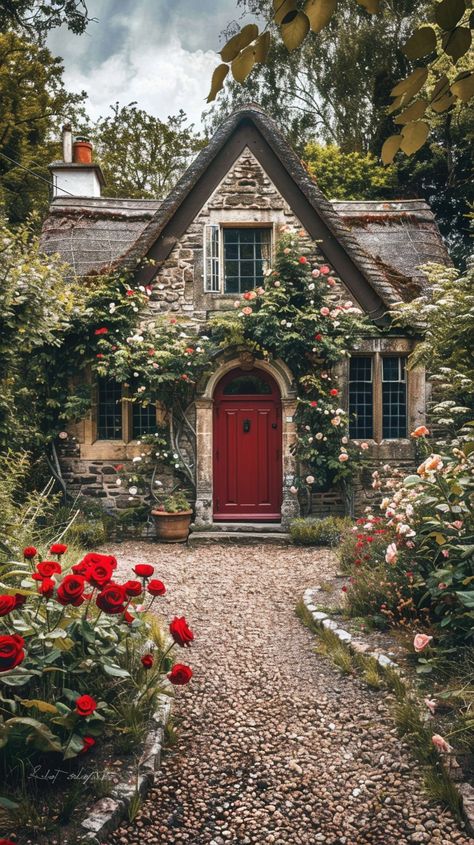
(76, 174)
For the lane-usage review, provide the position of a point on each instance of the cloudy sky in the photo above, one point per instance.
(160, 53)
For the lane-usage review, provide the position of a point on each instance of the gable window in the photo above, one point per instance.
(109, 410)
(235, 258)
(143, 419)
(394, 397)
(378, 397)
(361, 398)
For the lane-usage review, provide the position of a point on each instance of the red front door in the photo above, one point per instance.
(247, 447)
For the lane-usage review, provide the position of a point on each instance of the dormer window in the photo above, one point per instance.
(235, 258)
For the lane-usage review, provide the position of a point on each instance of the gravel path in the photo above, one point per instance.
(274, 745)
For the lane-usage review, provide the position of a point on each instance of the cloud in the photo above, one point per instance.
(159, 53)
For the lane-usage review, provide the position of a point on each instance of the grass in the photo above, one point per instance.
(405, 711)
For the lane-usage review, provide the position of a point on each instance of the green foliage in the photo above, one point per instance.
(37, 19)
(33, 102)
(86, 534)
(445, 313)
(141, 155)
(348, 176)
(319, 532)
(176, 503)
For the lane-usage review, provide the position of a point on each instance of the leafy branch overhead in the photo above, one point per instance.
(429, 90)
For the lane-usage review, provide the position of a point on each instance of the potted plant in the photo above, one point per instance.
(172, 519)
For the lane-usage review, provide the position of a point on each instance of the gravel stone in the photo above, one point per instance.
(273, 746)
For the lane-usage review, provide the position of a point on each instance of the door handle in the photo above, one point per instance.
(274, 425)
(246, 425)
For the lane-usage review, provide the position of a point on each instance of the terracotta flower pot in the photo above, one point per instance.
(172, 527)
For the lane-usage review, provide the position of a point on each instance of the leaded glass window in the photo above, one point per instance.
(361, 398)
(109, 410)
(143, 419)
(394, 397)
(246, 254)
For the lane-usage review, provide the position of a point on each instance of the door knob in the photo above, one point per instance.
(246, 425)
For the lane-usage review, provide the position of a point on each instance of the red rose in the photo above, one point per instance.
(303, 260)
(6, 842)
(103, 330)
(180, 631)
(314, 404)
(99, 574)
(112, 598)
(333, 392)
(7, 604)
(147, 661)
(144, 570)
(189, 350)
(180, 674)
(78, 569)
(46, 588)
(58, 549)
(130, 292)
(85, 705)
(70, 590)
(95, 557)
(89, 741)
(11, 651)
(127, 617)
(156, 588)
(344, 589)
(318, 337)
(30, 552)
(133, 588)
(47, 568)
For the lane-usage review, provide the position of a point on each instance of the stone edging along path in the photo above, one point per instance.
(358, 646)
(107, 813)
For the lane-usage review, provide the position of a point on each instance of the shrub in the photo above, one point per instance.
(87, 534)
(78, 661)
(175, 503)
(319, 532)
(426, 563)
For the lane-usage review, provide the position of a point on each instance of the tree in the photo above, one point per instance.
(33, 102)
(143, 156)
(349, 176)
(35, 19)
(447, 38)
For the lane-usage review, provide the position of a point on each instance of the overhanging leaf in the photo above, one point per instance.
(414, 136)
(457, 42)
(243, 64)
(319, 13)
(371, 6)
(282, 9)
(237, 43)
(463, 87)
(441, 88)
(412, 84)
(396, 104)
(217, 82)
(413, 112)
(449, 12)
(262, 46)
(422, 42)
(390, 148)
(295, 31)
(443, 103)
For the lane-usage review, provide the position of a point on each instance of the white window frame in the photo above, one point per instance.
(220, 226)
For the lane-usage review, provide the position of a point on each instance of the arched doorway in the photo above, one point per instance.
(247, 447)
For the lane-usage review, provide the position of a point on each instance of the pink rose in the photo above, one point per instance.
(247, 311)
(442, 585)
(364, 446)
(440, 744)
(324, 311)
(421, 431)
(331, 282)
(324, 269)
(421, 641)
(343, 457)
(391, 555)
(457, 524)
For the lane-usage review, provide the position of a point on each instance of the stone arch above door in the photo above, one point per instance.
(204, 432)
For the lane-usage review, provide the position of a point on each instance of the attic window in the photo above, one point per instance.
(235, 259)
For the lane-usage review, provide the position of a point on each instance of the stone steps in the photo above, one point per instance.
(242, 537)
(244, 527)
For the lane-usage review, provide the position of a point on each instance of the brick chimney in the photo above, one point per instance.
(76, 174)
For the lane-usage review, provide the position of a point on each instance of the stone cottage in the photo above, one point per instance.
(208, 241)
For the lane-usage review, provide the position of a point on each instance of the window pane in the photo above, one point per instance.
(246, 252)
(361, 396)
(143, 420)
(394, 397)
(246, 385)
(109, 410)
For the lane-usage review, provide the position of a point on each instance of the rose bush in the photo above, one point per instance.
(415, 564)
(75, 644)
